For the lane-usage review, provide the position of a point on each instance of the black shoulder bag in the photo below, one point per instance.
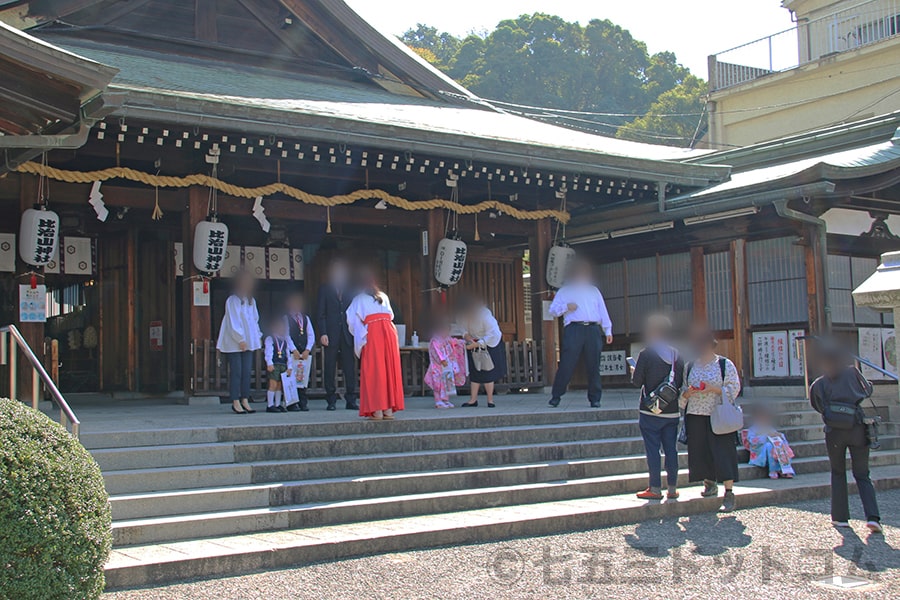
(665, 393)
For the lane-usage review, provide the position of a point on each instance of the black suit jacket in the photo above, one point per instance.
(331, 313)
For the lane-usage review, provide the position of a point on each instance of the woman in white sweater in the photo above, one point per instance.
(239, 338)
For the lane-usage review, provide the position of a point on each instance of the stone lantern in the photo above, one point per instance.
(881, 291)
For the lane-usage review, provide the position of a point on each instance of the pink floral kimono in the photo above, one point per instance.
(443, 380)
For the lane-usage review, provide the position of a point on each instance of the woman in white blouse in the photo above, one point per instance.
(239, 338)
(708, 381)
(486, 350)
(370, 319)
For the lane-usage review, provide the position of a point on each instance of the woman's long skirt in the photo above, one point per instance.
(498, 355)
(380, 378)
(710, 456)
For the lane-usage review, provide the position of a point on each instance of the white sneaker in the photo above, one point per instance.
(875, 527)
(840, 524)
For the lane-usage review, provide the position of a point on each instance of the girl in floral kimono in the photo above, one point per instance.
(768, 447)
(447, 368)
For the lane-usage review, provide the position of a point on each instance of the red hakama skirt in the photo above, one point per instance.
(380, 378)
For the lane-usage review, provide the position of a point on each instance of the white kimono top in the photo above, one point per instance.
(362, 307)
(240, 324)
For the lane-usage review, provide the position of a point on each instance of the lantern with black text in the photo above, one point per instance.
(559, 261)
(210, 241)
(449, 261)
(38, 236)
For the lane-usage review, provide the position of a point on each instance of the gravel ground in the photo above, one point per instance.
(760, 553)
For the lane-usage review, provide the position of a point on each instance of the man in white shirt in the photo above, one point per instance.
(587, 325)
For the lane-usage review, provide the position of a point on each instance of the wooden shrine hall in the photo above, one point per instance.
(311, 135)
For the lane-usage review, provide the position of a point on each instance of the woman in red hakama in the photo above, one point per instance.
(370, 318)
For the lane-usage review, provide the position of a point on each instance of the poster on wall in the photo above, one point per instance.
(870, 348)
(201, 294)
(613, 363)
(156, 336)
(795, 361)
(889, 349)
(770, 354)
(32, 304)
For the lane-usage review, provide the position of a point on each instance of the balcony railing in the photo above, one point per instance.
(853, 27)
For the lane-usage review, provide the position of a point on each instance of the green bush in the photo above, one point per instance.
(55, 519)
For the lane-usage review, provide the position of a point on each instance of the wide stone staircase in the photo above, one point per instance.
(214, 501)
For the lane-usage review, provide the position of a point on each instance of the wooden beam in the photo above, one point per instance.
(815, 292)
(698, 284)
(32, 332)
(205, 12)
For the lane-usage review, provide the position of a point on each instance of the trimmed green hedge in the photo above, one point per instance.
(55, 519)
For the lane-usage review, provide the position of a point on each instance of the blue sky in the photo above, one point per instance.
(692, 29)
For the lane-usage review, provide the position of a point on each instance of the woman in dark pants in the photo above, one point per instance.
(708, 381)
(658, 363)
(844, 385)
(239, 338)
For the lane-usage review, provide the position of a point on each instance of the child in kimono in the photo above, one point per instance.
(768, 447)
(300, 331)
(447, 368)
(278, 349)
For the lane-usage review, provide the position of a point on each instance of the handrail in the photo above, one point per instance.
(40, 374)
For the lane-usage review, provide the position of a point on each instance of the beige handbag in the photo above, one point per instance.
(482, 360)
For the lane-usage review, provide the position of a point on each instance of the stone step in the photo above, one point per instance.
(181, 527)
(259, 495)
(307, 425)
(154, 564)
(132, 480)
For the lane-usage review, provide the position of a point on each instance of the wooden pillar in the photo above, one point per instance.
(434, 231)
(741, 312)
(543, 331)
(815, 291)
(32, 332)
(197, 319)
(698, 284)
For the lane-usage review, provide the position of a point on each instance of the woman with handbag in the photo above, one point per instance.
(711, 388)
(486, 350)
(837, 396)
(659, 372)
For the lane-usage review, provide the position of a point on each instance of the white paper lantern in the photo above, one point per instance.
(449, 261)
(38, 236)
(210, 241)
(559, 260)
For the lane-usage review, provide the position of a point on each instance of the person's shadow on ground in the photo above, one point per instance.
(872, 555)
(711, 535)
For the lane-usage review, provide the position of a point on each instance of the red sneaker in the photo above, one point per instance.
(672, 495)
(649, 494)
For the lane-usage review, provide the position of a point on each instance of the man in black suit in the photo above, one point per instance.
(335, 297)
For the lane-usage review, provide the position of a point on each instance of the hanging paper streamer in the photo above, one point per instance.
(38, 236)
(7, 252)
(96, 200)
(232, 263)
(259, 213)
(279, 263)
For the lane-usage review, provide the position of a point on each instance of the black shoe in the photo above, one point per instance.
(595, 405)
(293, 408)
(331, 406)
(352, 406)
(282, 409)
(469, 404)
(238, 412)
(273, 409)
(554, 402)
(491, 405)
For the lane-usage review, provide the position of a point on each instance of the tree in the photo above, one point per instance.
(673, 119)
(545, 61)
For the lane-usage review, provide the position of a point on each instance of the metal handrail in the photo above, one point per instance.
(8, 356)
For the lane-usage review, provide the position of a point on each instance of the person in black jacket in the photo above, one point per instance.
(335, 297)
(843, 385)
(659, 363)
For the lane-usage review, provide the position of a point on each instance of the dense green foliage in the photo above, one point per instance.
(543, 60)
(54, 511)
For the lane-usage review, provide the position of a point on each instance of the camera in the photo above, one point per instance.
(871, 424)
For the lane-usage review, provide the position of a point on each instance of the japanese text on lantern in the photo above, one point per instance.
(459, 261)
(215, 254)
(46, 237)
